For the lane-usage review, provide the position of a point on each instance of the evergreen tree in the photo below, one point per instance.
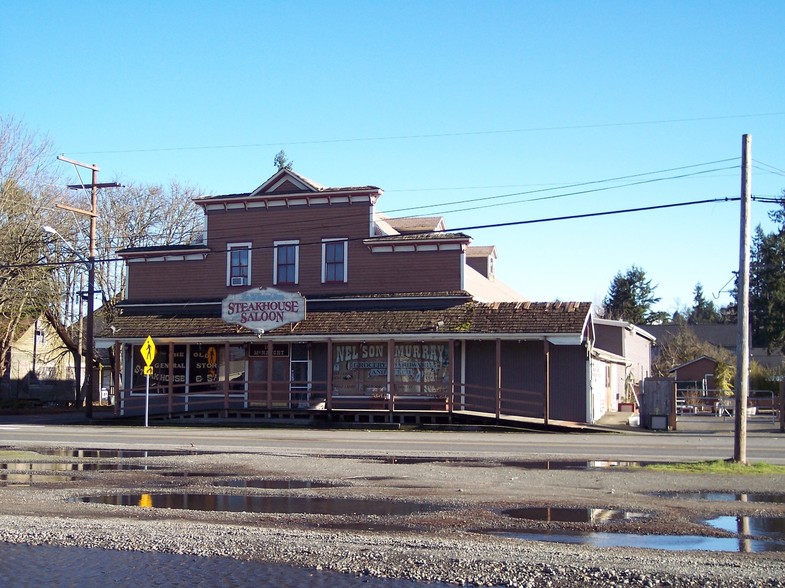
(281, 162)
(703, 311)
(631, 298)
(767, 284)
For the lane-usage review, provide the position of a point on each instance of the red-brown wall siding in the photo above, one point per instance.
(697, 370)
(367, 272)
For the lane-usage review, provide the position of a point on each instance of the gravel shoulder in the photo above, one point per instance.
(449, 543)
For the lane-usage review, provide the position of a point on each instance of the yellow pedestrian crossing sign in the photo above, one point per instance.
(148, 351)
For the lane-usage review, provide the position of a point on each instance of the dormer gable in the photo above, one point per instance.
(482, 258)
(287, 188)
(287, 181)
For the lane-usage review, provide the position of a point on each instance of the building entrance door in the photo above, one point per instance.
(258, 393)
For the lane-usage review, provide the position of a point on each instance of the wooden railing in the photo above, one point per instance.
(312, 395)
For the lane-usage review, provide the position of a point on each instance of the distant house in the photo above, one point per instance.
(39, 368)
(697, 374)
(719, 335)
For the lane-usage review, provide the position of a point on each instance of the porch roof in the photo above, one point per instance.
(465, 320)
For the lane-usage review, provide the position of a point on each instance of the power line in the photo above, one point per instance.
(597, 214)
(578, 193)
(326, 220)
(768, 168)
(432, 135)
(558, 185)
(456, 230)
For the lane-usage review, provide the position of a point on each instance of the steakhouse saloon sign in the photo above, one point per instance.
(263, 309)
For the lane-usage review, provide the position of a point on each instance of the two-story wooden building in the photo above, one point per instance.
(302, 299)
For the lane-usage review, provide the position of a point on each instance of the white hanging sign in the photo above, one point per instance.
(263, 309)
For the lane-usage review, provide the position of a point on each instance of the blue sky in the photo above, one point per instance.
(447, 106)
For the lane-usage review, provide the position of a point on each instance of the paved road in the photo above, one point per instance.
(763, 444)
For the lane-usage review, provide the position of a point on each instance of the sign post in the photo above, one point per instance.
(148, 354)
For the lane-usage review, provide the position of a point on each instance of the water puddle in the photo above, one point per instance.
(273, 484)
(264, 504)
(772, 527)
(450, 461)
(571, 464)
(523, 464)
(45, 468)
(40, 473)
(572, 515)
(753, 534)
(117, 453)
(192, 474)
(666, 542)
(727, 496)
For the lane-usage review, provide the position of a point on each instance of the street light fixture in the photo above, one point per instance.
(89, 354)
(55, 232)
(91, 388)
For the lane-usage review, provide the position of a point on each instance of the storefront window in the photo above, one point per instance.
(197, 368)
(203, 367)
(159, 380)
(360, 368)
(419, 368)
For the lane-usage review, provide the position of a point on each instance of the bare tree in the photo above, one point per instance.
(42, 275)
(135, 215)
(28, 184)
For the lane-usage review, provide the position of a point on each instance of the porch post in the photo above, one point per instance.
(118, 350)
(227, 365)
(170, 383)
(329, 401)
(498, 378)
(450, 375)
(269, 375)
(547, 415)
(391, 376)
(226, 385)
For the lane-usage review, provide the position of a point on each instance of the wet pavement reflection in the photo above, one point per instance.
(665, 542)
(265, 504)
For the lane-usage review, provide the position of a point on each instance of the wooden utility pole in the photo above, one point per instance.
(91, 387)
(743, 311)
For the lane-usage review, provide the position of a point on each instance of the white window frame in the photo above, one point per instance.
(276, 245)
(229, 248)
(345, 277)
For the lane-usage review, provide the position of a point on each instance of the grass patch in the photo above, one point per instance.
(719, 466)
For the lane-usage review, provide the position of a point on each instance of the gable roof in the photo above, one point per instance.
(287, 183)
(721, 335)
(481, 251)
(701, 358)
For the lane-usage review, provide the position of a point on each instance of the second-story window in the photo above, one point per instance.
(334, 261)
(286, 262)
(238, 264)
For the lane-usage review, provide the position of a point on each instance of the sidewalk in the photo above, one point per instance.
(703, 424)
